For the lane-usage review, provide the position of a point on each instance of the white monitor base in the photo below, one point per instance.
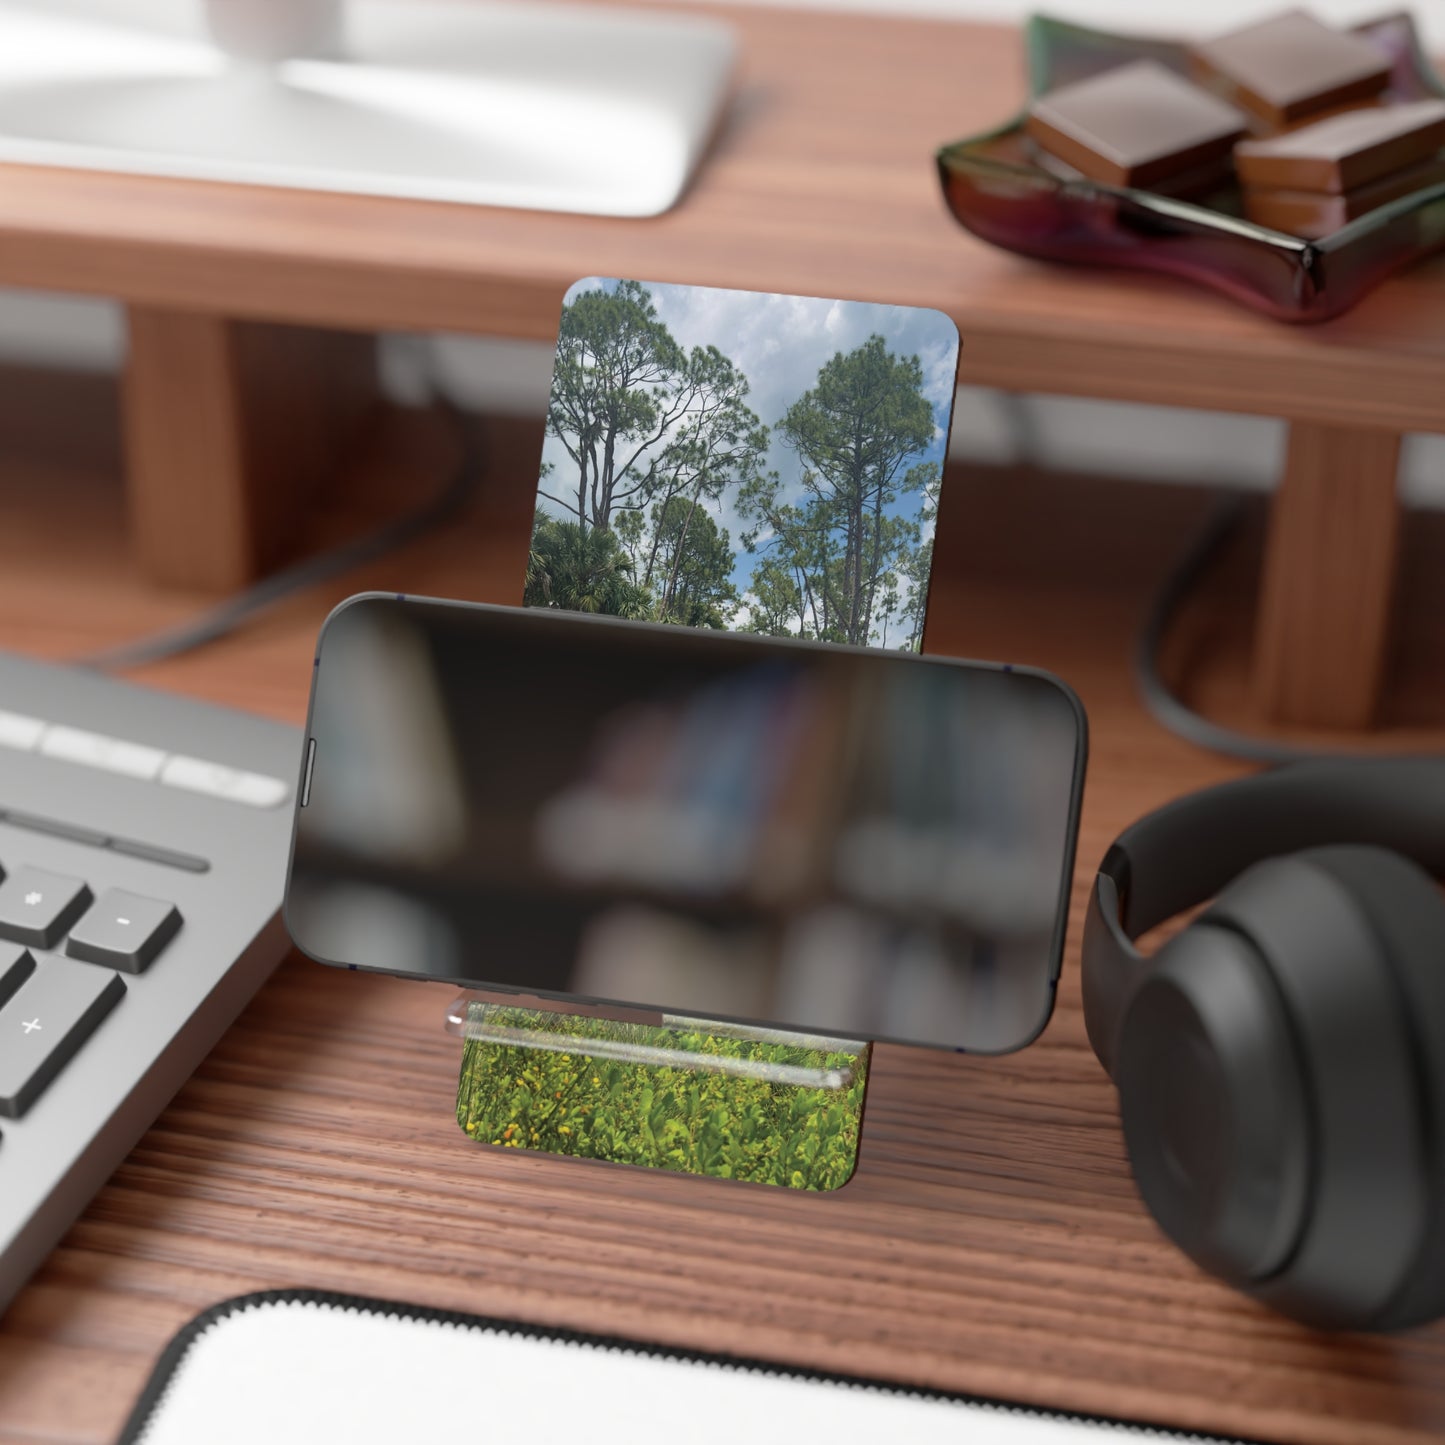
(531, 105)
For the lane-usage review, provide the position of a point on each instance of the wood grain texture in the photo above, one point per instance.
(991, 1240)
(1329, 584)
(231, 428)
(821, 181)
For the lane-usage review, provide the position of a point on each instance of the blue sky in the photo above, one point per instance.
(780, 342)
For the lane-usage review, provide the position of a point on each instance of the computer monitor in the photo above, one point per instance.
(542, 106)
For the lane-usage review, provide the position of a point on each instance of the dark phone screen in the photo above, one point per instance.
(867, 844)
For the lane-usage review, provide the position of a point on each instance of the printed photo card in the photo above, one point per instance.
(742, 460)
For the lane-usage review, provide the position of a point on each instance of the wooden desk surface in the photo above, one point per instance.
(991, 1240)
(821, 182)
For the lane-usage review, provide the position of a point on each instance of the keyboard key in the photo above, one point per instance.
(52, 1013)
(95, 750)
(16, 965)
(124, 931)
(19, 731)
(218, 781)
(37, 907)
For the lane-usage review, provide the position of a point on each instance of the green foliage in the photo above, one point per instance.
(837, 556)
(582, 569)
(778, 608)
(686, 558)
(612, 385)
(718, 445)
(688, 1120)
(643, 420)
(915, 566)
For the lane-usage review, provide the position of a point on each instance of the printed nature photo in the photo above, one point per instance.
(666, 1116)
(734, 459)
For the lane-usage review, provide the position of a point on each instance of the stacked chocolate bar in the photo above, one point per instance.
(1291, 68)
(1141, 125)
(1312, 181)
(1297, 111)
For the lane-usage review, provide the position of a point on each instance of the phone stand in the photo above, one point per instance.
(694, 1096)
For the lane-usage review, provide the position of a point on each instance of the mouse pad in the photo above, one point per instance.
(296, 1367)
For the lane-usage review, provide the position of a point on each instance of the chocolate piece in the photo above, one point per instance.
(1313, 214)
(1291, 66)
(1191, 185)
(1350, 107)
(1135, 126)
(1346, 151)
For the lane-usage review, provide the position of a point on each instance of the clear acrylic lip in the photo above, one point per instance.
(471, 1018)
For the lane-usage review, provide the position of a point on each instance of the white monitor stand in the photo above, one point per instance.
(536, 105)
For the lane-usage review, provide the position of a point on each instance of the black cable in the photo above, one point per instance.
(227, 616)
(1165, 705)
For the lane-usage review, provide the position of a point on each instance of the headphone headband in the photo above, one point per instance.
(1182, 854)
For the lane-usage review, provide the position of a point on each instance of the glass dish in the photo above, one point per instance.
(998, 188)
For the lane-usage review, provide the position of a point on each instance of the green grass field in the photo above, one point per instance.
(694, 1121)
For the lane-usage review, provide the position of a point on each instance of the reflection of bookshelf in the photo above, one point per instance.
(729, 792)
(949, 817)
(776, 788)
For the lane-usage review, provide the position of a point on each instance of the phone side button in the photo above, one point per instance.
(306, 776)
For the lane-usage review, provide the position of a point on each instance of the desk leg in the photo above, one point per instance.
(1323, 633)
(230, 426)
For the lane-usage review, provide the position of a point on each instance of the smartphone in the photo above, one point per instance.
(838, 840)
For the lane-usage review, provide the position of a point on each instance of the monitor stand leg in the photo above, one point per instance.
(1326, 606)
(231, 427)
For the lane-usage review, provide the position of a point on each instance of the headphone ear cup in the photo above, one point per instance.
(1367, 1221)
(1213, 1106)
(1405, 907)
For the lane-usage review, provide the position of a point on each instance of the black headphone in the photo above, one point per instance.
(1281, 1061)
